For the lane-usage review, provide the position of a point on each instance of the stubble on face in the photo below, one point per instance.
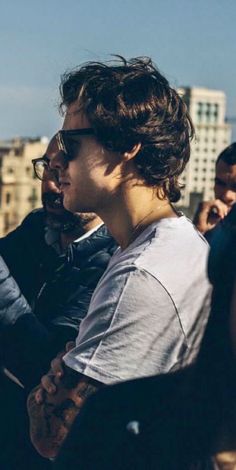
(57, 217)
(90, 177)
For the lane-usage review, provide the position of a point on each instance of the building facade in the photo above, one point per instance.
(207, 109)
(20, 191)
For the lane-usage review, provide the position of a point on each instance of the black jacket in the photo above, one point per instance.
(27, 254)
(30, 340)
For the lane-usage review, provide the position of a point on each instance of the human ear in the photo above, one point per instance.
(128, 155)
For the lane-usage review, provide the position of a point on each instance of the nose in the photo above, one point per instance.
(51, 185)
(58, 162)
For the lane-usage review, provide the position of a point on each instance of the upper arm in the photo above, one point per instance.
(131, 330)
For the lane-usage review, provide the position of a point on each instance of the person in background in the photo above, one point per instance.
(31, 250)
(125, 140)
(210, 213)
(57, 258)
(30, 338)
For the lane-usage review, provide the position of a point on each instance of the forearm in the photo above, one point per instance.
(50, 423)
(51, 420)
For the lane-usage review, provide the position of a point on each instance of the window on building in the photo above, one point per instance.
(216, 112)
(6, 222)
(33, 198)
(208, 112)
(8, 198)
(199, 111)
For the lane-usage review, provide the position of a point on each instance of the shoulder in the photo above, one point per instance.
(174, 254)
(36, 218)
(30, 233)
(167, 245)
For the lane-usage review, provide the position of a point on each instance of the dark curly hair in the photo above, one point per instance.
(129, 102)
(228, 155)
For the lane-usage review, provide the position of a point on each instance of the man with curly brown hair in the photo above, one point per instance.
(125, 141)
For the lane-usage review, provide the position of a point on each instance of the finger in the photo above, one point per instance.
(57, 366)
(39, 396)
(221, 208)
(47, 383)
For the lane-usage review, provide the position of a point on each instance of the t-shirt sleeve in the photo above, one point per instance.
(131, 330)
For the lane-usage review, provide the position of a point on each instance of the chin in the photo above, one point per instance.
(68, 205)
(72, 205)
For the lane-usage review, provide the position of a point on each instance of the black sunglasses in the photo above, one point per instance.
(64, 138)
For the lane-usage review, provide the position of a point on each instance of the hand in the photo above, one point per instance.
(209, 214)
(51, 380)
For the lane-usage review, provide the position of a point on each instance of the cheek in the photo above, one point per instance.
(70, 199)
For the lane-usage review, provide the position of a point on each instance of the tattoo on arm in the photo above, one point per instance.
(51, 421)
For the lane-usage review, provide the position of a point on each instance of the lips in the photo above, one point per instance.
(63, 184)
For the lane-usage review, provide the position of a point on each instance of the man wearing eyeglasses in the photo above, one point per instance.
(32, 249)
(71, 251)
(63, 254)
(124, 142)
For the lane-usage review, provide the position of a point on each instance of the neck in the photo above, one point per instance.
(133, 211)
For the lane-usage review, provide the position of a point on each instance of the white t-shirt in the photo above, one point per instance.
(150, 308)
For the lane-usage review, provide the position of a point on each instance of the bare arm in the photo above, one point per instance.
(52, 417)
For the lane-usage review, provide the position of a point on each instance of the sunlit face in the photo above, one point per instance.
(91, 174)
(225, 183)
(57, 216)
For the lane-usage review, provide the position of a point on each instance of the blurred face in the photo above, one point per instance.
(89, 175)
(52, 198)
(225, 183)
(58, 217)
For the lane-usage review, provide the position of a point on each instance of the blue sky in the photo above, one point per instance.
(192, 42)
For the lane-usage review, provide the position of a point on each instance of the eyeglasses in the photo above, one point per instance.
(42, 169)
(66, 138)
